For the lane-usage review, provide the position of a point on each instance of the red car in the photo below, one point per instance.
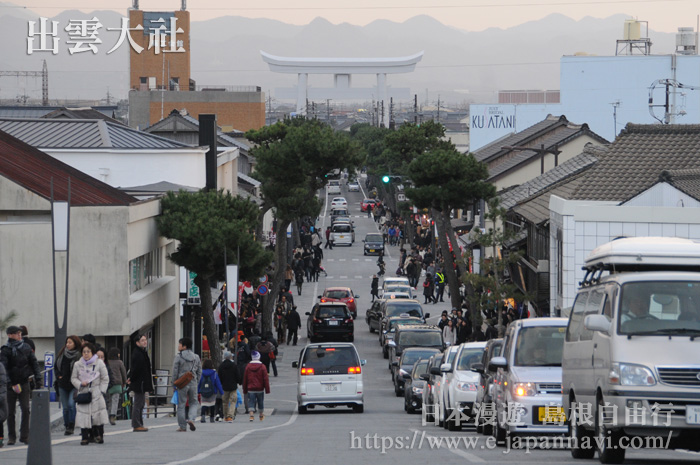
(341, 294)
(375, 203)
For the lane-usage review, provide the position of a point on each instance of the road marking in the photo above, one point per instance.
(236, 438)
(343, 277)
(330, 259)
(355, 259)
(342, 259)
(368, 259)
(358, 277)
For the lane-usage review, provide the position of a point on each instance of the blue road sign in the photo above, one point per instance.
(262, 289)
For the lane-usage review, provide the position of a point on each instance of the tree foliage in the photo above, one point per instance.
(206, 223)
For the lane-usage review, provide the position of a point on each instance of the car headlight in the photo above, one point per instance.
(524, 389)
(464, 386)
(417, 390)
(403, 372)
(629, 374)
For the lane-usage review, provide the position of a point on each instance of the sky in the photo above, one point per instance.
(470, 15)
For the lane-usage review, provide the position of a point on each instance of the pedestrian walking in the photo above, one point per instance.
(140, 382)
(243, 358)
(116, 366)
(209, 387)
(449, 335)
(185, 362)
(256, 383)
(429, 289)
(293, 325)
(26, 339)
(228, 374)
(288, 276)
(299, 278)
(266, 349)
(375, 287)
(22, 369)
(440, 285)
(329, 237)
(369, 210)
(90, 379)
(63, 370)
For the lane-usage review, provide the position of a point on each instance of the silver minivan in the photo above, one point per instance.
(342, 234)
(330, 375)
(632, 354)
(527, 386)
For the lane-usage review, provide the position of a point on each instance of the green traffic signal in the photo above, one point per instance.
(385, 179)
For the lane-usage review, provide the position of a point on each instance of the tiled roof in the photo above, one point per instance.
(687, 181)
(79, 133)
(638, 156)
(536, 209)
(548, 178)
(33, 169)
(518, 138)
(192, 123)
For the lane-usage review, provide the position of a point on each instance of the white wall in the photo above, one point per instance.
(590, 84)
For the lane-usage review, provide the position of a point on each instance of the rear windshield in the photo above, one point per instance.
(330, 360)
(342, 228)
(468, 358)
(412, 356)
(412, 338)
(397, 288)
(540, 346)
(421, 368)
(374, 238)
(331, 312)
(337, 294)
(410, 308)
(339, 212)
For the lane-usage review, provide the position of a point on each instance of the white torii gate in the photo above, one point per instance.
(342, 69)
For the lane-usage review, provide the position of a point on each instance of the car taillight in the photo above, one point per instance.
(354, 370)
(307, 371)
(351, 300)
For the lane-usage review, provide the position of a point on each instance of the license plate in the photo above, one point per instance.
(371, 250)
(692, 414)
(331, 387)
(552, 415)
(333, 322)
(342, 237)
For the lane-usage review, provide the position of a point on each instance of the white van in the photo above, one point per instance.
(632, 350)
(342, 234)
(527, 385)
(330, 374)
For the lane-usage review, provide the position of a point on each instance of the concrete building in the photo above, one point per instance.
(120, 281)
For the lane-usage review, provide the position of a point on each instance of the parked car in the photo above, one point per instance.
(484, 396)
(403, 367)
(374, 244)
(632, 345)
(353, 186)
(366, 202)
(461, 383)
(330, 320)
(341, 294)
(413, 336)
(330, 374)
(333, 187)
(440, 378)
(388, 328)
(339, 202)
(393, 307)
(414, 386)
(529, 377)
(431, 377)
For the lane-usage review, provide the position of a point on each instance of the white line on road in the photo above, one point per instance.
(355, 259)
(236, 438)
(343, 277)
(358, 277)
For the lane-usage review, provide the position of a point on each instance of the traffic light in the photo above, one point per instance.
(386, 179)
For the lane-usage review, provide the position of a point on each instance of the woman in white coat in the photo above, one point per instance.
(449, 335)
(90, 375)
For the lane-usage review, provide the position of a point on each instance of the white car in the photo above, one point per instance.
(461, 383)
(333, 187)
(438, 407)
(353, 186)
(339, 202)
(330, 374)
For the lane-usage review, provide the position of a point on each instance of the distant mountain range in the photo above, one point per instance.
(459, 66)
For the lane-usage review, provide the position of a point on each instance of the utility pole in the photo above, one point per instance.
(438, 113)
(391, 113)
(328, 111)
(44, 74)
(307, 108)
(415, 108)
(382, 119)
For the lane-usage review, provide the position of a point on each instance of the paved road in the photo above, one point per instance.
(323, 436)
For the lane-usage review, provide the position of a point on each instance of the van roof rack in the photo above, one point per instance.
(644, 254)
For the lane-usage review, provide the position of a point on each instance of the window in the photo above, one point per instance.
(412, 356)
(540, 346)
(330, 360)
(331, 312)
(467, 358)
(420, 338)
(337, 294)
(410, 308)
(145, 269)
(660, 307)
(573, 332)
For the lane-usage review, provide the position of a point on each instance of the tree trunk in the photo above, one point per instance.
(449, 270)
(208, 319)
(277, 278)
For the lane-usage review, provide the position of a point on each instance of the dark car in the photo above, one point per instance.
(404, 366)
(331, 320)
(388, 329)
(386, 308)
(408, 336)
(374, 244)
(414, 386)
(483, 394)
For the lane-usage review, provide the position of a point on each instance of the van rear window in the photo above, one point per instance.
(333, 360)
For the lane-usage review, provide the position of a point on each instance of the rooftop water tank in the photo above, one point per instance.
(632, 30)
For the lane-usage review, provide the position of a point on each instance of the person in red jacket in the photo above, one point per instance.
(256, 383)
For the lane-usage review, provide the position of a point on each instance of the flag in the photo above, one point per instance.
(217, 313)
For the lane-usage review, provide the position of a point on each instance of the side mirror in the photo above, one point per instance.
(394, 364)
(320, 296)
(425, 377)
(446, 368)
(498, 362)
(426, 316)
(435, 371)
(357, 296)
(363, 362)
(596, 323)
(391, 343)
(295, 364)
(308, 313)
(478, 368)
(363, 240)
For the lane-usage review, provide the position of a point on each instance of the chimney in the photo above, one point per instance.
(207, 136)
